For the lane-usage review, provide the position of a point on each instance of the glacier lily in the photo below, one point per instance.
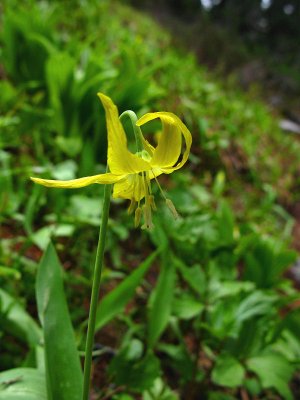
(132, 173)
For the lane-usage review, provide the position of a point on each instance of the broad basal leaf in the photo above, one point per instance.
(22, 384)
(63, 370)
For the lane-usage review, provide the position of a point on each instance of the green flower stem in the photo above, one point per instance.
(95, 294)
(137, 130)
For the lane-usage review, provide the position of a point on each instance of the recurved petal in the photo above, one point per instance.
(120, 160)
(168, 150)
(148, 147)
(81, 182)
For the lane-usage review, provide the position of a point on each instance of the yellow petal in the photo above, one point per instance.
(81, 182)
(148, 147)
(132, 188)
(120, 160)
(169, 145)
(155, 172)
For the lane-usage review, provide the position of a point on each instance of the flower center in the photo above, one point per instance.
(142, 182)
(144, 155)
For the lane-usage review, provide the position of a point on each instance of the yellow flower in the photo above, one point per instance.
(131, 173)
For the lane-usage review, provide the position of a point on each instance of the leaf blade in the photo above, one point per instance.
(161, 301)
(22, 384)
(115, 301)
(63, 370)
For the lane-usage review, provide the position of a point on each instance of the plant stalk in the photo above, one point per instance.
(95, 294)
(136, 129)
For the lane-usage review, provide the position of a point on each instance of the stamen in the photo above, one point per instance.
(147, 217)
(132, 206)
(152, 202)
(160, 188)
(147, 187)
(172, 208)
(137, 216)
(148, 182)
(169, 202)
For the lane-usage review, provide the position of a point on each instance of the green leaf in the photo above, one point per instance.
(43, 236)
(253, 386)
(22, 384)
(85, 209)
(219, 184)
(135, 373)
(256, 304)
(228, 372)
(18, 320)
(266, 262)
(63, 370)
(123, 396)
(221, 289)
(179, 359)
(60, 68)
(289, 346)
(160, 391)
(71, 146)
(161, 300)
(220, 396)
(225, 223)
(193, 275)
(113, 303)
(228, 315)
(187, 306)
(10, 272)
(64, 170)
(274, 371)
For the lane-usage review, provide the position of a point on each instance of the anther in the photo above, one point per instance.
(147, 217)
(152, 202)
(137, 216)
(132, 206)
(172, 208)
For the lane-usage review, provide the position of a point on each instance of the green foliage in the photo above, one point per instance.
(133, 369)
(28, 38)
(113, 303)
(266, 262)
(17, 321)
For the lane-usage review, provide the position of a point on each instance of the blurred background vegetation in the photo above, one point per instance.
(213, 312)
